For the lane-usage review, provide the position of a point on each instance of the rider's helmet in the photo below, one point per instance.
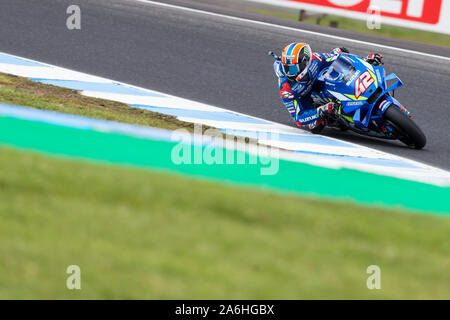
(296, 58)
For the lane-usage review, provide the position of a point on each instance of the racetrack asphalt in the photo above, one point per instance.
(217, 60)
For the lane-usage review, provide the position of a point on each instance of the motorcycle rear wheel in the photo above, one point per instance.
(407, 130)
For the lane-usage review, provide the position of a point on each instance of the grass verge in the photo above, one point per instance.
(24, 92)
(143, 234)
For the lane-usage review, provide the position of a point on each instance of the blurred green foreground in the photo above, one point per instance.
(141, 234)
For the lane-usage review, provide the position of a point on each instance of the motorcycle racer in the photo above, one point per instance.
(297, 70)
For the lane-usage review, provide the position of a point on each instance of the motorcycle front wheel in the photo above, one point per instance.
(406, 129)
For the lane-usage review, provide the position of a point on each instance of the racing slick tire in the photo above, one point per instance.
(407, 130)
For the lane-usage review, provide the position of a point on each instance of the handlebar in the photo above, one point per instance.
(272, 54)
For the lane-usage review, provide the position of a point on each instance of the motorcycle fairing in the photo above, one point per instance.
(360, 87)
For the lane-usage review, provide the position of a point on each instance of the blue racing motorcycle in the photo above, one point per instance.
(365, 104)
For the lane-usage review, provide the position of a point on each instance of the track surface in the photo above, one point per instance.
(215, 60)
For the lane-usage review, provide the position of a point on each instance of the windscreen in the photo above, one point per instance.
(341, 70)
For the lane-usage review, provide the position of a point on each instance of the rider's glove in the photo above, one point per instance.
(375, 59)
(327, 109)
(340, 50)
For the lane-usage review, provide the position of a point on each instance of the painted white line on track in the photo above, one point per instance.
(267, 24)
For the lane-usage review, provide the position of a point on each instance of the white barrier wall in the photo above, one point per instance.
(429, 15)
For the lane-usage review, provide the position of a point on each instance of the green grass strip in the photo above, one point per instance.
(295, 177)
(141, 234)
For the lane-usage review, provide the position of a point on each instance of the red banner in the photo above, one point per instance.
(424, 11)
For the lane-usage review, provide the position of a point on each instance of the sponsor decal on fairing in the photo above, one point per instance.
(384, 105)
(363, 83)
(350, 81)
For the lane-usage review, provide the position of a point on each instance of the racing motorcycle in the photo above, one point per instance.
(365, 104)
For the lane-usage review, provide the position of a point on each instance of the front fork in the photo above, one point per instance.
(388, 101)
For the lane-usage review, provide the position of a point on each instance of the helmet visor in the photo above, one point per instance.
(292, 70)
